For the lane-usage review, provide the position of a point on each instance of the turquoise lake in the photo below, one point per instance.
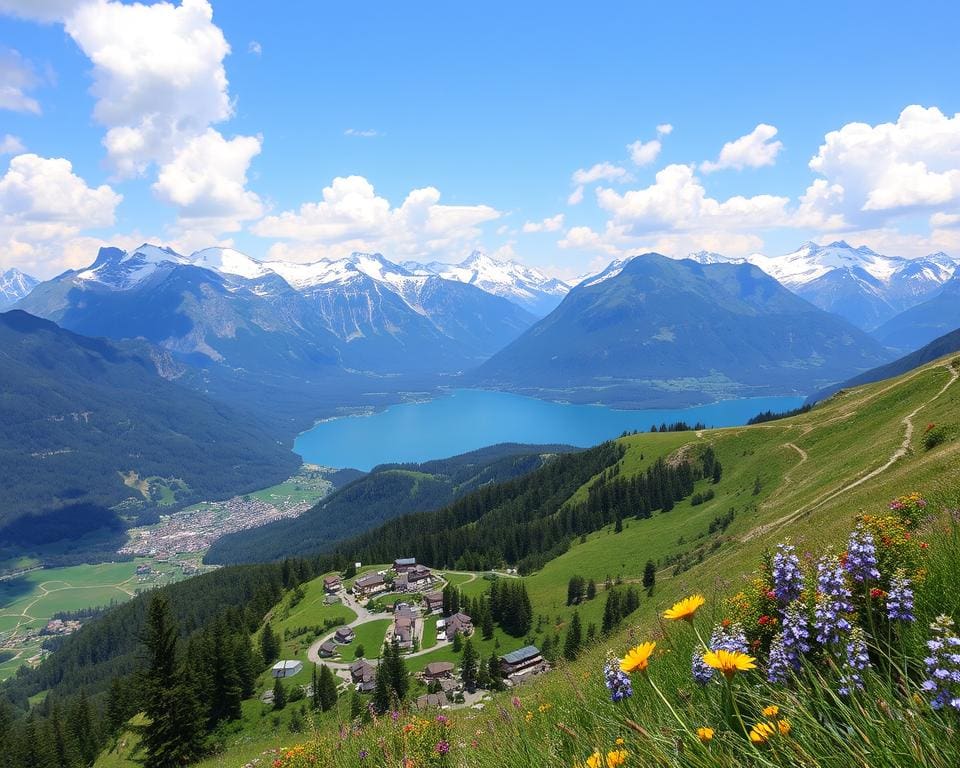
(468, 419)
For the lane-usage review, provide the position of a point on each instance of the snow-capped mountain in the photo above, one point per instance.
(362, 312)
(14, 285)
(523, 285)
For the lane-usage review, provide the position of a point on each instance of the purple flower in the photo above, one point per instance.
(778, 662)
(943, 665)
(618, 682)
(443, 719)
(442, 747)
(730, 638)
(787, 576)
(363, 754)
(796, 634)
(900, 598)
(861, 560)
(857, 659)
(833, 602)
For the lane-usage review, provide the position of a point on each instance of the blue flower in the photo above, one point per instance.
(833, 602)
(787, 576)
(617, 681)
(861, 560)
(778, 662)
(943, 665)
(796, 634)
(723, 638)
(857, 659)
(900, 598)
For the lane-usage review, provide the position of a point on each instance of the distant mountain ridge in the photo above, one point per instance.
(360, 313)
(656, 328)
(14, 285)
(862, 286)
(924, 322)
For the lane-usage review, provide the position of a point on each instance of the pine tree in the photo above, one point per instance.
(82, 730)
(649, 576)
(493, 667)
(591, 589)
(315, 688)
(328, 689)
(457, 642)
(225, 691)
(173, 735)
(397, 668)
(574, 639)
(486, 627)
(269, 645)
(468, 666)
(279, 694)
(356, 706)
(382, 692)
(118, 709)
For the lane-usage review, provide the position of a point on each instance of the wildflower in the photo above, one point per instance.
(443, 720)
(861, 560)
(943, 665)
(856, 660)
(442, 747)
(619, 742)
(796, 635)
(729, 662)
(726, 636)
(685, 609)
(516, 702)
(783, 725)
(363, 754)
(787, 576)
(616, 757)
(761, 733)
(637, 659)
(772, 711)
(618, 682)
(876, 593)
(544, 707)
(900, 598)
(833, 601)
(778, 661)
(705, 735)
(595, 760)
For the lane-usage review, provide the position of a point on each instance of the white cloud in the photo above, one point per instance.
(891, 169)
(158, 76)
(366, 133)
(576, 197)
(585, 239)
(664, 129)
(754, 150)
(16, 78)
(677, 201)
(206, 181)
(255, 48)
(550, 224)
(644, 153)
(11, 145)
(601, 172)
(43, 206)
(352, 217)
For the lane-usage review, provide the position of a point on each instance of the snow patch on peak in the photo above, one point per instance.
(229, 261)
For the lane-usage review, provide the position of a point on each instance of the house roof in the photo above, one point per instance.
(523, 654)
(405, 561)
(329, 645)
(438, 668)
(287, 664)
(369, 580)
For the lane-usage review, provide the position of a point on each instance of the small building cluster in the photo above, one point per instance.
(522, 664)
(286, 668)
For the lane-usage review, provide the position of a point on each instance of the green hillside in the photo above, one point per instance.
(806, 478)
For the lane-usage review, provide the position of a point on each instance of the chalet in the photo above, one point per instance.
(344, 635)
(404, 564)
(400, 583)
(458, 624)
(331, 584)
(328, 648)
(368, 585)
(519, 665)
(419, 576)
(437, 670)
(431, 701)
(433, 601)
(403, 631)
(286, 668)
(363, 674)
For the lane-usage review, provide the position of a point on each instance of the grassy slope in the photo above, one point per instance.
(816, 472)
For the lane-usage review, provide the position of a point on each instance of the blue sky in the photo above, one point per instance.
(448, 127)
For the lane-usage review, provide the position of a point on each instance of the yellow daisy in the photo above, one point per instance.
(729, 662)
(616, 757)
(772, 711)
(784, 725)
(685, 608)
(761, 733)
(705, 735)
(637, 658)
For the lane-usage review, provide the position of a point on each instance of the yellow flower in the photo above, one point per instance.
(595, 760)
(685, 608)
(544, 707)
(705, 735)
(729, 662)
(619, 742)
(772, 711)
(616, 757)
(784, 725)
(637, 658)
(761, 733)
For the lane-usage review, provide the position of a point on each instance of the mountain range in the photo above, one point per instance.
(924, 322)
(654, 329)
(859, 284)
(14, 285)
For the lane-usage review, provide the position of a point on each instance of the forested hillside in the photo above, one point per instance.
(388, 491)
(88, 424)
